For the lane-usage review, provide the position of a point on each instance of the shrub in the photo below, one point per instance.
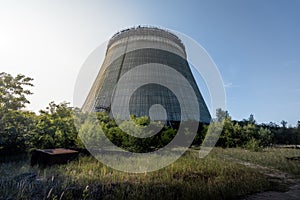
(253, 145)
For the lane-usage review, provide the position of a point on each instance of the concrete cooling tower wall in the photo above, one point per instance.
(154, 48)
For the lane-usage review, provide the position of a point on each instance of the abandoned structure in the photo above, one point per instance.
(138, 46)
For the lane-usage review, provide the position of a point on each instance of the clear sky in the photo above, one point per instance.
(254, 43)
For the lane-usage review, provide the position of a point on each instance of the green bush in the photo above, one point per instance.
(253, 145)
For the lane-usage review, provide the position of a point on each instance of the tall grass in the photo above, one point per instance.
(188, 178)
(269, 157)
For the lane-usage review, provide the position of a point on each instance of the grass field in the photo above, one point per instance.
(190, 177)
(269, 157)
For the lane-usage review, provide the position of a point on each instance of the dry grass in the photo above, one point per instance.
(188, 178)
(269, 157)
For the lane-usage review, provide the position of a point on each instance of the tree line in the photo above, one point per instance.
(21, 130)
(60, 125)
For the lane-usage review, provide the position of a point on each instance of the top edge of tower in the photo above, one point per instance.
(146, 30)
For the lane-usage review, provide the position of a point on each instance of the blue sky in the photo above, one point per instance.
(255, 44)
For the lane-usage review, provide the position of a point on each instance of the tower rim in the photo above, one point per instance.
(145, 30)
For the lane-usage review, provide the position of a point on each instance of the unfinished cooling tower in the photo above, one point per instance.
(140, 46)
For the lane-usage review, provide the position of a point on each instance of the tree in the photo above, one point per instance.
(283, 123)
(226, 137)
(251, 119)
(90, 133)
(221, 114)
(13, 92)
(56, 127)
(16, 126)
(16, 131)
(265, 136)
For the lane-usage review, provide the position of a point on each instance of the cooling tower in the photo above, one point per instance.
(140, 46)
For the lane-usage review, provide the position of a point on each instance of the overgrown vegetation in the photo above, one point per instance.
(276, 158)
(21, 130)
(250, 135)
(187, 178)
(60, 125)
(55, 126)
